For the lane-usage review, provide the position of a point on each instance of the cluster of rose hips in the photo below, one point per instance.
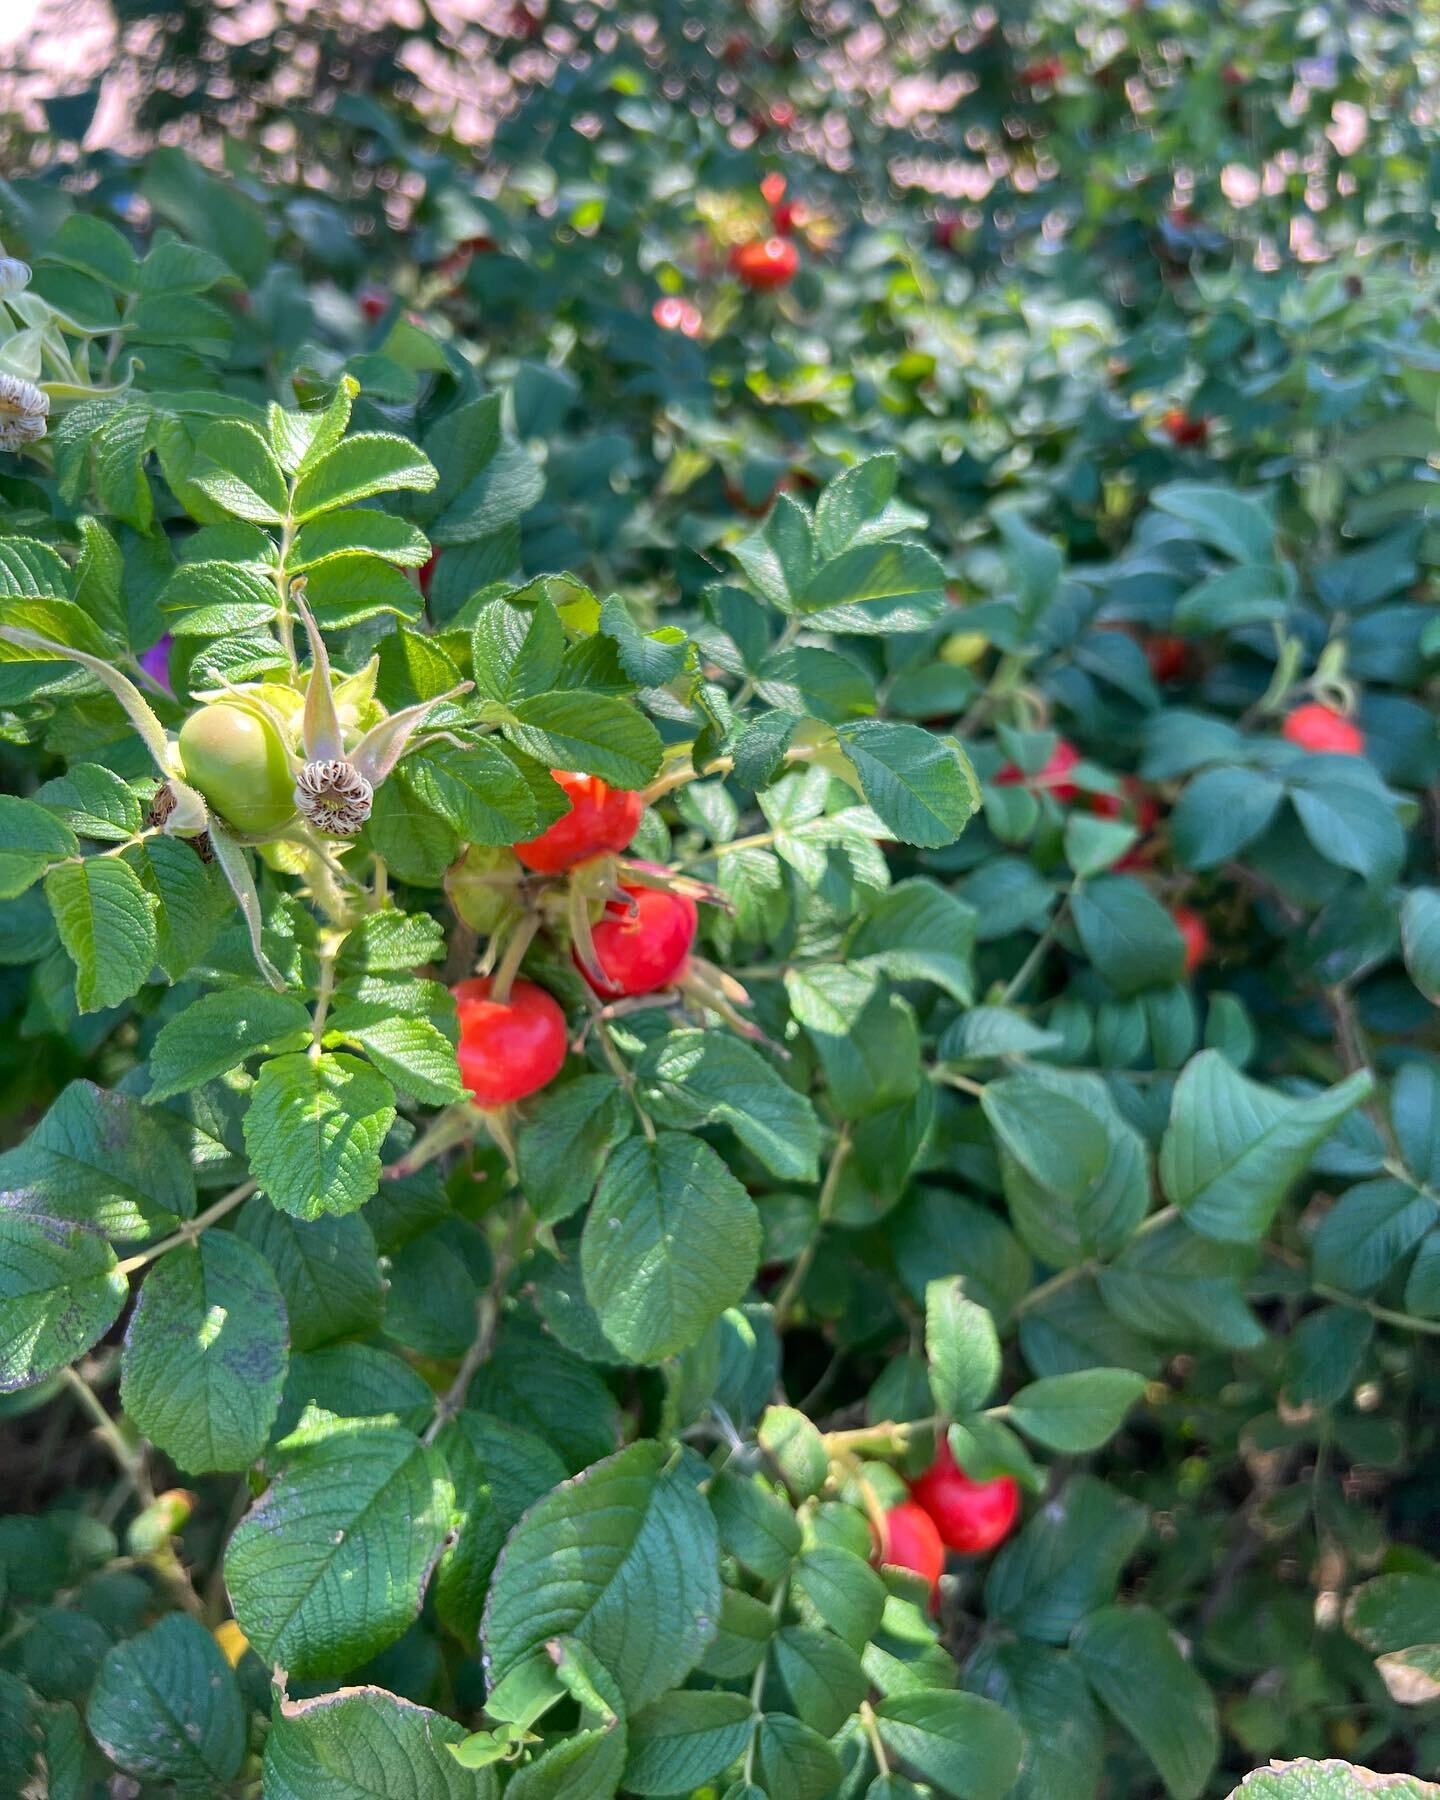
(947, 1510)
(1314, 727)
(515, 1044)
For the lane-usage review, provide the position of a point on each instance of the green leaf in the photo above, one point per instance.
(534, 1382)
(856, 506)
(416, 1055)
(98, 1158)
(1078, 1412)
(391, 942)
(796, 1448)
(596, 734)
(30, 840)
(967, 1746)
(360, 528)
(1233, 1148)
(835, 1587)
(365, 1744)
(235, 468)
(94, 802)
(106, 921)
(313, 1132)
(921, 786)
(1127, 934)
(1175, 1286)
(328, 1270)
(694, 1078)
(1076, 1175)
(1329, 1780)
(916, 931)
(1064, 1734)
(479, 791)
(796, 1761)
(822, 1674)
(206, 1353)
(624, 1558)
(435, 1285)
(60, 1292)
(369, 463)
(499, 1473)
(650, 659)
(1368, 1230)
(1394, 1611)
(1129, 1657)
(330, 1564)
(866, 1037)
(684, 1740)
(217, 1032)
(672, 1240)
(1324, 1353)
(1348, 816)
(167, 1707)
(587, 1766)
(565, 1139)
(1220, 812)
(1228, 521)
(1420, 935)
(963, 1348)
(876, 587)
(1065, 1562)
(757, 1527)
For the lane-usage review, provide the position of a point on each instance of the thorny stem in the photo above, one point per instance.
(801, 1268)
(191, 1229)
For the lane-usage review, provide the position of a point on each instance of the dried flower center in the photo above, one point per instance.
(334, 796)
(23, 411)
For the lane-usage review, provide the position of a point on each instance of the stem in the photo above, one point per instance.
(757, 1686)
(801, 1267)
(284, 622)
(1385, 1314)
(520, 941)
(872, 1731)
(1017, 982)
(618, 1067)
(191, 1229)
(487, 1320)
(757, 841)
(129, 1459)
(745, 693)
(890, 1434)
(329, 949)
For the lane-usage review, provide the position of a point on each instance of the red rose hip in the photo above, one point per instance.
(601, 820)
(508, 1048)
(642, 947)
(912, 1542)
(765, 263)
(1194, 935)
(1322, 729)
(970, 1516)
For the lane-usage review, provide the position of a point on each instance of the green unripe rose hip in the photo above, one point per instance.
(238, 762)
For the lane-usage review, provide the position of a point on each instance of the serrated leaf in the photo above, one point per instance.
(479, 791)
(328, 1271)
(596, 734)
(416, 1055)
(60, 1292)
(1078, 1412)
(371, 462)
(1065, 1562)
(672, 1240)
(314, 1130)
(499, 1472)
(106, 922)
(30, 840)
(967, 1746)
(330, 1564)
(1232, 1148)
(217, 1032)
(962, 1346)
(362, 1743)
(680, 1742)
(205, 1354)
(1131, 1660)
(916, 931)
(624, 1558)
(167, 1707)
(1129, 937)
(565, 1139)
(234, 467)
(694, 1078)
(921, 786)
(1420, 935)
(99, 1159)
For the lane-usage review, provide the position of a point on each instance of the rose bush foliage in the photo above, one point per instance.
(1017, 645)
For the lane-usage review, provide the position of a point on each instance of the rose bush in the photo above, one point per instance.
(719, 928)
